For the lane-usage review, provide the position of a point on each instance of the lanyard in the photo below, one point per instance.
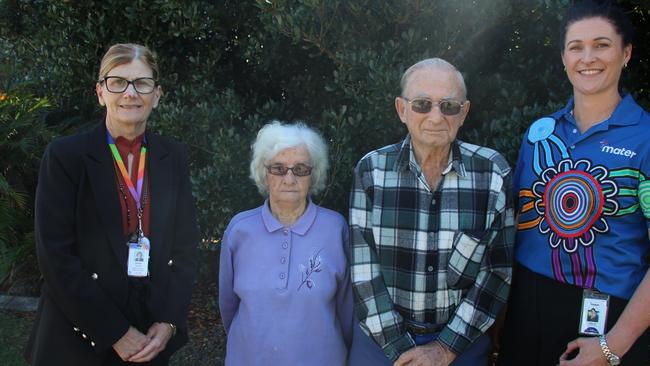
(136, 192)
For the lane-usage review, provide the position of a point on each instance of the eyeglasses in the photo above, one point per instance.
(299, 170)
(425, 105)
(116, 84)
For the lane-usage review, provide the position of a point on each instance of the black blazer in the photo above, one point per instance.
(82, 253)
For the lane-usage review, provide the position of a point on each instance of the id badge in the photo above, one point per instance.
(593, 314)
(138, 262)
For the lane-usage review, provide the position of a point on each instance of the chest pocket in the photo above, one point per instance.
(465, 259)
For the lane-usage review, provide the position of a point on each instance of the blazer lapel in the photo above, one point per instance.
(101, 174)
(161, 186)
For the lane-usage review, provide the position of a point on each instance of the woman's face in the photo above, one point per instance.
(129, 107)
(289, 188)
(594, 56)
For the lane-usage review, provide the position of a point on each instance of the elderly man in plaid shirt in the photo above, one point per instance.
(431, 233)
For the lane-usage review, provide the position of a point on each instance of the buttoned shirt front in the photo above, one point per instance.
(438, 256)
(284, 292)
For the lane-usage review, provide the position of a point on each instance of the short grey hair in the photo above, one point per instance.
(277, 136)
(435, 63)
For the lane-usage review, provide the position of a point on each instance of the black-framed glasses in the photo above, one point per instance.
(299, 170)
(116, 84)
(448, 107)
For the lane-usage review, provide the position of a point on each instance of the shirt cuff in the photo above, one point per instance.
(454, 341)
(395, 348)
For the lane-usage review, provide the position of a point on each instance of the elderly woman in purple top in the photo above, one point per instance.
(284, 286)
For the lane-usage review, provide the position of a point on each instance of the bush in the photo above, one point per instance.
(24, 136)
(229, 67)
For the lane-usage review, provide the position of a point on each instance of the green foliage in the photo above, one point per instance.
(23, 136)
(230, 66)
(14, 329)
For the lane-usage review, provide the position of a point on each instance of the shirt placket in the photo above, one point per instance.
(285, 254)
(573, 137)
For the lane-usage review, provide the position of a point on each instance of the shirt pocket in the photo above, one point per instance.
(465, 259)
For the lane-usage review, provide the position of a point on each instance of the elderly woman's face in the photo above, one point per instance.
(130, 106)
(289, 188)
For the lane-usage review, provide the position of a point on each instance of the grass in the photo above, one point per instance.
(14, 330)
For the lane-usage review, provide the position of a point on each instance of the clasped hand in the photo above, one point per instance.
(589, 353)
(430, 354)
(137, 347)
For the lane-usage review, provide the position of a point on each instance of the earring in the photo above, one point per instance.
(564, 68)
(625, 65)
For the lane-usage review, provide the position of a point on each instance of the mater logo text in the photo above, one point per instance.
(604, 147)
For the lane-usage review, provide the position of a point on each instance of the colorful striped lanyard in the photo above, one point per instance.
(136, 192)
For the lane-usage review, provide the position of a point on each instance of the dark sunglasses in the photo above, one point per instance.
(425, 105)
(299, 170)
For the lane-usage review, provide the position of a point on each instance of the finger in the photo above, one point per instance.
(567, 363)
(123, 355)
(570, 347)
(573, 344)
(148, 352)
(404, 358)
(152, 331)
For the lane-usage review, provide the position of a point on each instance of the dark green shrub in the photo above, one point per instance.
(230, 66)
(23, 136)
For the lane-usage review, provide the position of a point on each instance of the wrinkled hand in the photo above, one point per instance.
(590, 353)
(158, 336)
(131, 343)
(430, 354)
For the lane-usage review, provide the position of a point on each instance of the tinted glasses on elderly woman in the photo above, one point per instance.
(299, 170)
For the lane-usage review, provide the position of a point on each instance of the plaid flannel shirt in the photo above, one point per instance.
(442, 257)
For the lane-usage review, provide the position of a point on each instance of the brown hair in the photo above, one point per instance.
(124, 53)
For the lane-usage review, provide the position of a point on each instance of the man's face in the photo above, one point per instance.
(433, 129)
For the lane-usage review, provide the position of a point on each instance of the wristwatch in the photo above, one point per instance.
(612, 359)
(173, 328)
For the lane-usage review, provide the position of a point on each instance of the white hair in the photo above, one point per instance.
(277, 136)
(434, 63)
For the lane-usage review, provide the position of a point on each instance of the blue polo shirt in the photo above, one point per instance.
(584, 199)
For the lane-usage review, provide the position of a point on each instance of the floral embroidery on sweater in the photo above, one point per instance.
(306, 272)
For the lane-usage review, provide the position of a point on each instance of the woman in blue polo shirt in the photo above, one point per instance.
(583, 183)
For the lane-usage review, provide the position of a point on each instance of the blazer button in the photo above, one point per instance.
(75, 329)
(84, 336)
(170, 263)
(94, 276)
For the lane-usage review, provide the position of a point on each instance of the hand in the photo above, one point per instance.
(590, 353)
(158, 336)
(430, 354)
(131, 343)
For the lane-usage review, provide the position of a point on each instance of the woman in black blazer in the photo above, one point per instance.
(115, 231)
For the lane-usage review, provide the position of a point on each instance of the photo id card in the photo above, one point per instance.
(593, 313)
(138, 262)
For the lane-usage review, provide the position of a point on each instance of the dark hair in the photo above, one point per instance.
(585, 9)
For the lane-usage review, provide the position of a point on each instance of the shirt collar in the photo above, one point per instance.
(406, 158)
(626, 113)
(124, 146)
(300, 227)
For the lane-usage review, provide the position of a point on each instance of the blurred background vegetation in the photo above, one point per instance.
(230, 66)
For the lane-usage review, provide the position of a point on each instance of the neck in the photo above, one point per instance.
(436, 156)
(287, 212)
(593, 109)
(128, 131)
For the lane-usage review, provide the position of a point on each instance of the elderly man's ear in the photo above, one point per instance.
(465, 110)
(400, 107)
